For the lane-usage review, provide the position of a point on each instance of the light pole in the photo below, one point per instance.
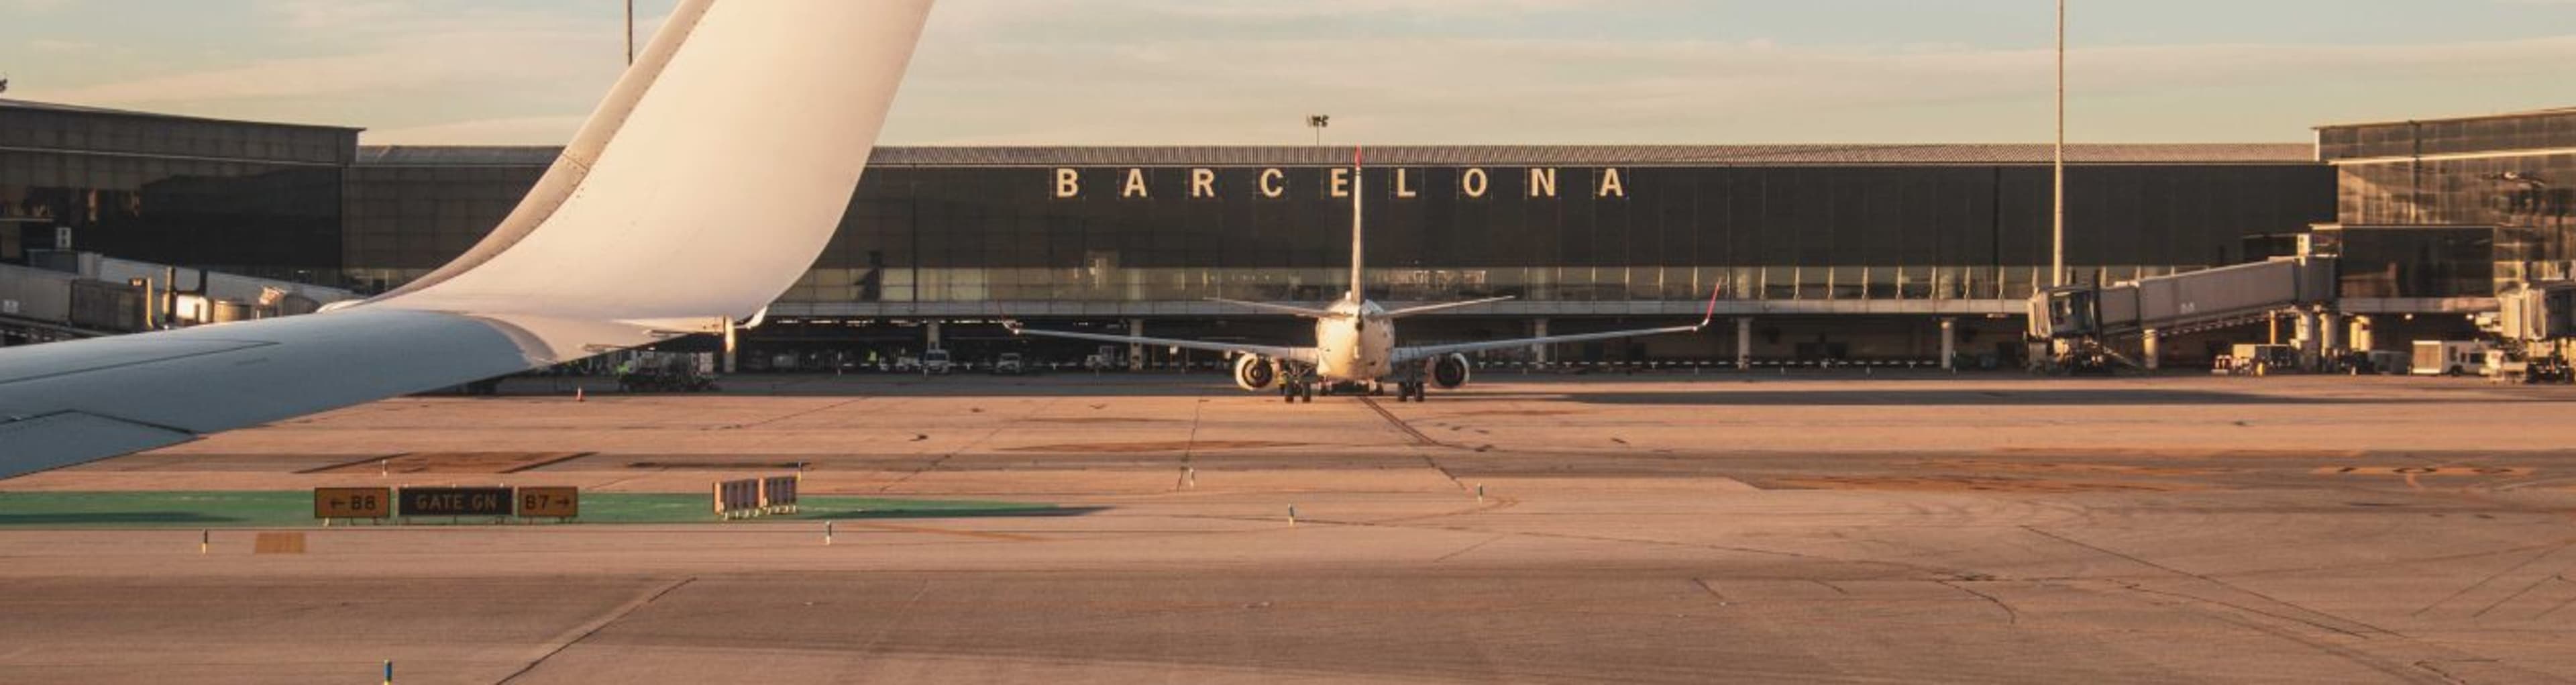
(2057, 241)
(1318, 122)
(630, 32)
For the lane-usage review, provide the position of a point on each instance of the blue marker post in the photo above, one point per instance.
(389, 672)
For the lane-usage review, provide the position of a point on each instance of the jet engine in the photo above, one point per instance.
(1251, 372)
(1449, 372)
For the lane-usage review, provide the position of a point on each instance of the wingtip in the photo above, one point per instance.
(1706, 317)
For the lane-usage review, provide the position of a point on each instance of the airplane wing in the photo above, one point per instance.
(1407, 354)
(1429, 308)
(1302, 354)
(726, 154)
(1308, 312)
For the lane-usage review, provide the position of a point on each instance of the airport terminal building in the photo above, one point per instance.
(1843, 252)
(1816, 252)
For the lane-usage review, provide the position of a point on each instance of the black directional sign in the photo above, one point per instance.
(455, 501)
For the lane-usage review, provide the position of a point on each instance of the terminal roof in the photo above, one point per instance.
(1466, 155)
(6, 103)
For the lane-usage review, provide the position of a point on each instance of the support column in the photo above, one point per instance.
(2153, 348)
(2304, 335)
(731, 343)
(1743, 343)
(2330, 333)
(1538, 329)
(2361, 336)
(933, 334)
(1136, 351)
(1949, 344)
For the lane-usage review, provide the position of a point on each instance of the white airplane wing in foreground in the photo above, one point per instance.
(705, 185)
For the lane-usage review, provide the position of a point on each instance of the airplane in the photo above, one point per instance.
(707, 181)
(1355, 340)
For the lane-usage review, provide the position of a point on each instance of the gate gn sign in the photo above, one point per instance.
(455, 501)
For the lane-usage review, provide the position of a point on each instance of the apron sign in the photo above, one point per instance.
(353, 503)
(456, 501)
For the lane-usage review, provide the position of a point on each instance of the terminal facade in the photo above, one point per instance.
(1814, 252)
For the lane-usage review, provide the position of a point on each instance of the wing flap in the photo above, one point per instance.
(58, 440)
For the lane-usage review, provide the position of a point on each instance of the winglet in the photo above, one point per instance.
(1711, 314)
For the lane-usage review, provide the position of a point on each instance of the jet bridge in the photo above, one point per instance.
(2087, 318)
(2536, 323)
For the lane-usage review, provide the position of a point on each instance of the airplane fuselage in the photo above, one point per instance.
(1356, 343)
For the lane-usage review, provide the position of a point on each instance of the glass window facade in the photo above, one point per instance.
(255, 199)
(932, 234)
(2513, 176)
(948, 233)
(404, 221)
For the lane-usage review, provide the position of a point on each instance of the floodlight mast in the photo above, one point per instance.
(2057, 232)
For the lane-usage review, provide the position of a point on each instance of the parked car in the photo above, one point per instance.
(1010, 364)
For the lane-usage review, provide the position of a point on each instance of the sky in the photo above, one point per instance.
(1246, 72)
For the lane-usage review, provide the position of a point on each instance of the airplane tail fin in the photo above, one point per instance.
(708, 179)
(1359, 271)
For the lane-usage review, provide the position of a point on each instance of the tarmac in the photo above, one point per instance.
(1675, 527)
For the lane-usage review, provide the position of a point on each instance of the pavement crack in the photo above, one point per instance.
(1418, 438)
(1469, 548)
(2226, 586)
(584, 631)
(2544, 553)
(2011, 615)
(791, 415)
(1712, 590)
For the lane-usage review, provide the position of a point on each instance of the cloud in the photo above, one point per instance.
(397, 66)
(1081, 84)
(1390, 71)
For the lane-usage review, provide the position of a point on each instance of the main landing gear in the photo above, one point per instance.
(1297, 390)
(1417, 391)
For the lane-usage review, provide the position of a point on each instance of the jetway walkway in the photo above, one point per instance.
(68, 295)
(2085, 319)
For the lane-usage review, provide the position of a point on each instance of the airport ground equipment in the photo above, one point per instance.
(2535, 329)
(2449, 357)
(2086, 321)
(668, 372)
(752, 497)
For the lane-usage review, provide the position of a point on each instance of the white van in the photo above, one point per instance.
(2450, 357)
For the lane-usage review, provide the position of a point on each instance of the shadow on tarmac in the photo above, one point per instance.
(1029, 511)
(111, 518)
(2008, 398)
